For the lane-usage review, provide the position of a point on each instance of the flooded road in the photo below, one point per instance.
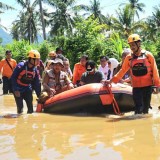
(41, 136)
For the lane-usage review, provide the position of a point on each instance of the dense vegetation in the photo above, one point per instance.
(81, 29)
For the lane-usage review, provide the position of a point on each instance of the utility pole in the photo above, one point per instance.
(42, 19)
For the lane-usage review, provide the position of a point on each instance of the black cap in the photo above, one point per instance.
(59, 49)
(90, 65)
(8, 51)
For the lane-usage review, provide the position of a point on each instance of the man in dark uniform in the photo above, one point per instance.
(24, 77)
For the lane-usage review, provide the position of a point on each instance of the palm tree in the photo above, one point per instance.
(3, 7)
(124, 22)
(94, 10)
(42, 19)
(153, 25)
(135, 6)
(18, 30)
(61, 20)
(28, 22)
(151, 29)
(156, 15)
(108, 21)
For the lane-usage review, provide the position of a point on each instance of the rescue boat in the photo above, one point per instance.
(92, 98)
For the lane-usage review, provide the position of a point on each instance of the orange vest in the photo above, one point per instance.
(152, 76)
(62, 81)
(144, 80)
(77, 72)
(26, 77)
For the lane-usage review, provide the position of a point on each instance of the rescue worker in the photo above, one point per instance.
(79, 69)
(7, 66)
(143, 71)
(24, 77)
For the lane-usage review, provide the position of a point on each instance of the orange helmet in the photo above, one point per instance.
(33, 54)
(52, 54)
(133, 38)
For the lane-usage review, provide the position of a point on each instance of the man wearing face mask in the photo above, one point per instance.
(91, 75)
(24, 77)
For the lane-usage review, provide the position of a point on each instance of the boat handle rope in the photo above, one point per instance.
(114, 103)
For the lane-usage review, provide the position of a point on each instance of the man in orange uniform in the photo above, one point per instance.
(7, 66)
(144, 74)
(79, 69)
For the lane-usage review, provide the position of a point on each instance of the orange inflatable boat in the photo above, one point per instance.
(91, 98)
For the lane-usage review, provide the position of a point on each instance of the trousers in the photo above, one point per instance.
(28, 98)
(7, 85)
(142, 99)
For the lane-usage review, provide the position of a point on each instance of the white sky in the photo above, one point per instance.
(107, 6)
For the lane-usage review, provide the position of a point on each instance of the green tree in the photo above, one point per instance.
(156, 16)
(18, 27)
(28, 21)
(124, 24)
(94, 10)
(4, 7)
(61, 20)
(20, 49)
(135, 6)
(42, 20)
(151, 29)
(118, 44)
(87, 38)
(153, 25)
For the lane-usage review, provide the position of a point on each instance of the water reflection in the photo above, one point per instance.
(54, 137)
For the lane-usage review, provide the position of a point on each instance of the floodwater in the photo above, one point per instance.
(41, 136)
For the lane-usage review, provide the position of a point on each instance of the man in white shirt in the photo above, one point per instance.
(104, 66)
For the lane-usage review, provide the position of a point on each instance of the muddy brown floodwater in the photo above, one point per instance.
(41, 136)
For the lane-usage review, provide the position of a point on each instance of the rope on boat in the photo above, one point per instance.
(114, 102)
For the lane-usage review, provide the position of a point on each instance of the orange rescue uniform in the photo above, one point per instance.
(78, 70)
(5, 69)
(151, 78)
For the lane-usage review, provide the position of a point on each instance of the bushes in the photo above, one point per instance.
(44, 49)
(2, 52)
(20, 49)
(88, 38)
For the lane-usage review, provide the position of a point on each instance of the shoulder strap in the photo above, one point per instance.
(147, 56)
(9, 64)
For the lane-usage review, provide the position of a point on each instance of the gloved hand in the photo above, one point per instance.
(0, 81)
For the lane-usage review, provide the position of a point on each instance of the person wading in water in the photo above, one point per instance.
(143, 72)
(24, 77)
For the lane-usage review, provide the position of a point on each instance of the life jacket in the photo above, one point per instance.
(26, 76)
(141, 71)
(69, 74)
(54, 83)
